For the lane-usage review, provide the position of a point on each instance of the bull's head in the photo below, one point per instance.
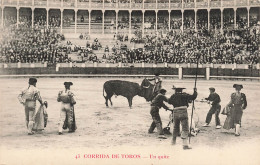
(146, 90)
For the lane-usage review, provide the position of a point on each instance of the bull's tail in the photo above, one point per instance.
(104, 91)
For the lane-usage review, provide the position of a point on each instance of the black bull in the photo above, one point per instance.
(128, 90)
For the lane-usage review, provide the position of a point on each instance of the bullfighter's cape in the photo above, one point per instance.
(73, 122)
(40, 119)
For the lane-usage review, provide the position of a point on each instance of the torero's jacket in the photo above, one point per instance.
(66, 97)
(235, 101)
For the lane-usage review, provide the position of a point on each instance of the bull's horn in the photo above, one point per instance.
(146, 87)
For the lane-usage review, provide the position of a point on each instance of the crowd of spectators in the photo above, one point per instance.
(41, 44)
(231, 46)
(32, 45)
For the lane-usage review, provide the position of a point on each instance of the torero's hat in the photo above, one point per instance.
(212, 89)
(237, 85)
(177, 89)
(68, 83)
(32, 80)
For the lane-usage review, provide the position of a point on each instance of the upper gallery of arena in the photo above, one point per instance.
(112, 31)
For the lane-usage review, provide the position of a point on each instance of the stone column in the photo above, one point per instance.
(17, 18)
(221, 27)
(130, 23)
(32, 17)
(156, 20)
(61, 19)
(235, 18)
(208, 19)
(76, 17)
(103, 21)
(248, 16)
(47, 17)
(195, 13)
(116, 20)
(182, 20)
(143, 22)
(2, 19)
(89, 21)
(169, 23)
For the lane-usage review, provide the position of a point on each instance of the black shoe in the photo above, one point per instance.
(31, 133)
(187, 147)
(71, 131)
(162, 137)
(237, 134)
(60, 133)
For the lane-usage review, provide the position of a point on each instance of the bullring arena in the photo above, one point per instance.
(89, 42)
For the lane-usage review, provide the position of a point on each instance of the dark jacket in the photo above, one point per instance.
(182, 99)
(158, 101)
(214, 97)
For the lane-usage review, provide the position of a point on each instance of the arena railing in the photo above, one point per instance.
(124, 5)
(150, 5)
(96, 5)
(25, 3)
(146, 5)
(228, 3)
(241, 2)
(162, 5)
(82, 5)
(40, 3)
(137, 5)
(69, 4)
(176, 5)
(143, 65)
(139, 70)
(201, 4)
(254, 2)
(110, 5)
(215, 3)
(54, 3)
(190, 5)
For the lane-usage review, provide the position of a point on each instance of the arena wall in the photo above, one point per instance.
(204, 73)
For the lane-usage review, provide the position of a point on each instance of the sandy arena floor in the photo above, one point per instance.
(121, 130)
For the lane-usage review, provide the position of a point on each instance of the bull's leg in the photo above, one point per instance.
(106, 101)
(110, 101)
(130, 102)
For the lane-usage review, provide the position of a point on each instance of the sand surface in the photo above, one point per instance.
(121, 130)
